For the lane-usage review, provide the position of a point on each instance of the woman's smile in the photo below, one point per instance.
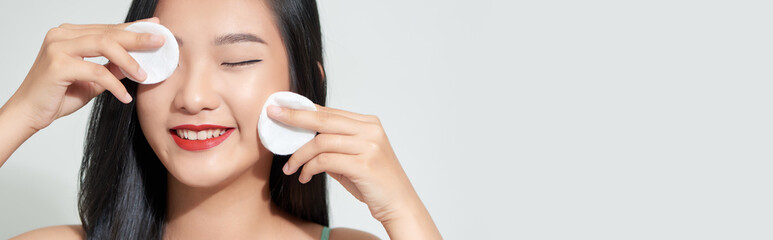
(199, 137)
(218, 180)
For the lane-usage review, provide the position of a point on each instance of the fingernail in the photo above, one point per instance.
(286, 169)
(274, 110)
(142, 74)
(128, 97)
(156, 38)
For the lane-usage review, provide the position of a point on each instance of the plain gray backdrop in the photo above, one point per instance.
(548, 119)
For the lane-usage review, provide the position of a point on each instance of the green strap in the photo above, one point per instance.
(325, 233)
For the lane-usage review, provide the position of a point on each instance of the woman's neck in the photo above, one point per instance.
(237, 209)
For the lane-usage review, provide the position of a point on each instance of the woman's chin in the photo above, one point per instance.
(205, 174)
(200, 180)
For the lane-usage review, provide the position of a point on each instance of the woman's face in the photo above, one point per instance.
(231, 58)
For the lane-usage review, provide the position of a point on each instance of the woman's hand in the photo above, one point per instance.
(61, 82)
(354, 150)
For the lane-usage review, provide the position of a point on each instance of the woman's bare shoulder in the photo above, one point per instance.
(76, 232)
(348, 233)
(54, 232)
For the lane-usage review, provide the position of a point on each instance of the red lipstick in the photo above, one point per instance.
(196, 145)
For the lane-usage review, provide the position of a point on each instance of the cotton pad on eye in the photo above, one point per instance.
(158, 63)
(278, 137)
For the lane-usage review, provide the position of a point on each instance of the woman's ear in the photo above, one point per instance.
(321, 70)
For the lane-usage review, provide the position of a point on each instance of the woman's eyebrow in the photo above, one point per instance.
(231, 38)
(237, 37)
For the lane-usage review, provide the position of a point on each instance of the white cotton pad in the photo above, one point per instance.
(278, 137)
(158, 63)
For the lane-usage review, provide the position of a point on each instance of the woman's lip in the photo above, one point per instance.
(198, 127)
(196, 145)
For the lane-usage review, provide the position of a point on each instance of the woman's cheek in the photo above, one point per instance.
(152, 117)
(246, 95)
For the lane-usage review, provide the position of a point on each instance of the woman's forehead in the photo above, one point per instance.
(198, 21)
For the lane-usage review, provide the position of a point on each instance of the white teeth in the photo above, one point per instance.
(200, 135)
(193, 135)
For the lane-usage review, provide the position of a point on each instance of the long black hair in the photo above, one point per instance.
(123, 183)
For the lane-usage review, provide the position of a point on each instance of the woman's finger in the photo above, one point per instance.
(332, 143)
(337, 163)
(103, 26)
(111, 50)
(71, 31)
(357, 116)
(115, 70)
(92, 45)
(130, 41)
(320, 121)
(91, 72)
(96, 45)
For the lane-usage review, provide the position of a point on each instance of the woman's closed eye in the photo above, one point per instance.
(242, 63)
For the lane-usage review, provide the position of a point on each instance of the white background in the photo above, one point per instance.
(513, 119)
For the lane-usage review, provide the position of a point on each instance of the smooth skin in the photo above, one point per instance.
(219, 193)
(60, 82)
(354, 150)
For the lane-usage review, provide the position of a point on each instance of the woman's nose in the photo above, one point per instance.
(196, 92)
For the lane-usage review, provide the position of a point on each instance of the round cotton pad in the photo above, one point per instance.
(158, 63)
(278, 137)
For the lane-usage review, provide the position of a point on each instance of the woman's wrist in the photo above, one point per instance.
(16, 128)
(411, 220)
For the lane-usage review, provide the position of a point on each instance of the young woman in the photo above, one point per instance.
(138, 183)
